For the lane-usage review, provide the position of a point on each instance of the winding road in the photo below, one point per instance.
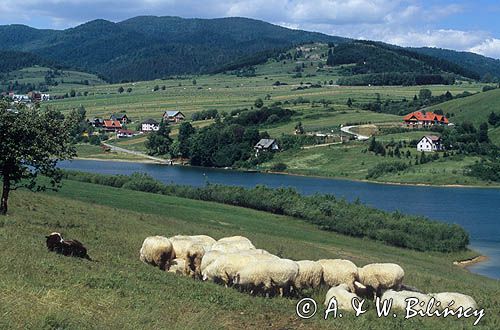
(137, 153)
(347, 129)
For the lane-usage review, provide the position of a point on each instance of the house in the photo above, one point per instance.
(20, 98)
(125, 133)
(112, 125)
(419, 119)
(96, 122)
(121, 117)
(430, 143)
(173, 116)
(266, 145)
(150, 125)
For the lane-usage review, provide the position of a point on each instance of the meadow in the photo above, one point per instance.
(45, 290)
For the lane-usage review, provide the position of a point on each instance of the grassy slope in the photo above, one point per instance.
(95, 152)
(475, 108)
(67, 80)
(40, 289)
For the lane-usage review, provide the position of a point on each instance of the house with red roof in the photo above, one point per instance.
(111, 125)
(419, 119)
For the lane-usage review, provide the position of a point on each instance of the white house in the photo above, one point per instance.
(125, 133)
(173, 116)
(150, 125)
(429, 143)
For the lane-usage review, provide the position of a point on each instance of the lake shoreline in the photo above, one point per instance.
(470, 262)
(146, 161)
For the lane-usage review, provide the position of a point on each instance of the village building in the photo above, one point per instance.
(96, 122)
(173, 116)
(150, 125)
(112, 125)
(419, 119)
(265, 145)
(121, 117)
(430, 143)
(125, 133)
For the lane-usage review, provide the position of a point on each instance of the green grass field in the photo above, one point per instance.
(44, 290)
(351, 161)
(96, 152)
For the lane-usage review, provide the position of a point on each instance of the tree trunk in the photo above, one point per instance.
(5, 195)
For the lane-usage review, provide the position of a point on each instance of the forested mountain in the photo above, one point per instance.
(377, 63)
(14, 60)
(486, 67)
(148, 47)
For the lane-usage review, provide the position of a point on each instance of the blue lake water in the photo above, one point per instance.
(475, 209)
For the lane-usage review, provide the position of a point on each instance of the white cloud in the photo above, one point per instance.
(490, 47)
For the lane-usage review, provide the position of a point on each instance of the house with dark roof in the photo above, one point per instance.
(121, 117)
(125, 133)
(265, 145)
(150, 125)
(173, 116)
(419, 119)
(430, 143)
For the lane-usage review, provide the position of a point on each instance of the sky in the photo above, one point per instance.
(472, 25)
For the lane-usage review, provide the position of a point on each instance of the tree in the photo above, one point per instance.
(425, 94)
(72, 93)
(483, 133)
(121, 90)
(259, 103)
(493, 119)
(158, 143)
(129, 90)
(185, 132)
(330, 59)
(349, 102)
(299, 129)
(31, 144)
(194, 81)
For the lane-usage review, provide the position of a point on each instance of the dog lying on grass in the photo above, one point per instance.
(73, 248)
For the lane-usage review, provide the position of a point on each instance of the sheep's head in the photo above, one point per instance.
(53, 239)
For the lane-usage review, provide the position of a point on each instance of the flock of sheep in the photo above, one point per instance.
(235, 261)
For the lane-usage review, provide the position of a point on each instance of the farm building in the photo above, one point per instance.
(150, 125)
(419, 119)
(266, 145)
(121, 117)
(430, 143)
(173, 116)
(125, 133)
(112, 125)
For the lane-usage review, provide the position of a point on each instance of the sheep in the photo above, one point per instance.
(342, 295)
(233, 244)
(225, 266)
(339, 271)
(209, 257)
(399, 299)
(74, 248)
(378, 277)
(177, 266)
(459, 299)
(310, 275)
(157, 251)
(268, 274)
(192, 260)
(182, 242)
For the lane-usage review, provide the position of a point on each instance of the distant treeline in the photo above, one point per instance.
(397, 79)
(325, 211)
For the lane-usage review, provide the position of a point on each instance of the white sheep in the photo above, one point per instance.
(177, 266)
(157, 251)
(209, 257)
(310, 275)
(268, 274)
(192, 260)
(339, 271)
(342, 295)
(233, 244)
(380, 277)
(182, 242)
(224, 267)
(459, 300)
(399, 299)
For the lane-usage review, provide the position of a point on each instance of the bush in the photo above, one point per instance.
(279, 167)
(383, 168)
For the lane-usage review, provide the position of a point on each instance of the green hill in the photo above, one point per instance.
(149, 47)
(481, 64)
(44, 290)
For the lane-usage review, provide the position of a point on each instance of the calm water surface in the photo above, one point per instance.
(477, 210)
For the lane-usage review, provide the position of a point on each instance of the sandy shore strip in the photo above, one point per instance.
(469, 262)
